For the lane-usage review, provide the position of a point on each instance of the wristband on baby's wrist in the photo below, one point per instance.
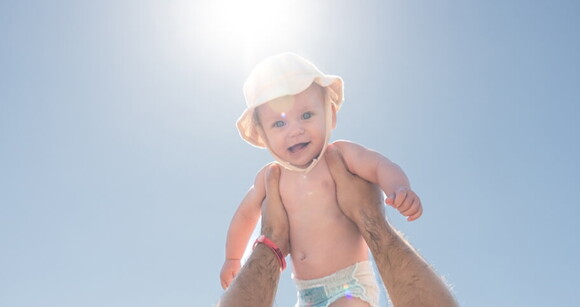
(277, 252)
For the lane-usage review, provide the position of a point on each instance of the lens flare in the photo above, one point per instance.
(347, 292)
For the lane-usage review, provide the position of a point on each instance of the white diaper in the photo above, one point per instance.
(357, 280)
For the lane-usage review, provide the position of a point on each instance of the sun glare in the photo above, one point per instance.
(250, 25)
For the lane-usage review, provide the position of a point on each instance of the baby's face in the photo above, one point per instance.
(295, 126)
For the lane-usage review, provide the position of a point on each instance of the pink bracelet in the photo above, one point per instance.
(274, 248)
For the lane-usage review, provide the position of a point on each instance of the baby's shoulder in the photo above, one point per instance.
(348, 148)
(357, 157)
(344, 144)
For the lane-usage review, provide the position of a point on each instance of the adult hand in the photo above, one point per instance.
(356, 196)
(257, 281)
(409, 280)
(274, 217)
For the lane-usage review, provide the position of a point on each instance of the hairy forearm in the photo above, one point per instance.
(409, 280)
(256, 284)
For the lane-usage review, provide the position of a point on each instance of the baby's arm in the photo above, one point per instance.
(376, 168)
(241, 228)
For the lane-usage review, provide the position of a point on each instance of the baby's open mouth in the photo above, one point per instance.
(298, 147)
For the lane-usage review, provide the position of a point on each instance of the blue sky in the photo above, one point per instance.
(120, 164)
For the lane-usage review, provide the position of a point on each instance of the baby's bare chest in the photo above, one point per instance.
(309, 196)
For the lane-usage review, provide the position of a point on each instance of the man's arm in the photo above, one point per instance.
(257, 281)
(409, 280)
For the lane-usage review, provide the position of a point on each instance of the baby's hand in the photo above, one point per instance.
(230, 269)
(407, 202)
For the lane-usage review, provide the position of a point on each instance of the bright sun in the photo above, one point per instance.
(249, 25)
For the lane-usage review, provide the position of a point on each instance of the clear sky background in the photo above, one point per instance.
(120, 163)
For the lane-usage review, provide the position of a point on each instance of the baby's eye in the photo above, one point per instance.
(279, 124)
(307, 115)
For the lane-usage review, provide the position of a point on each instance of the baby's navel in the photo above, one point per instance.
(302, 256)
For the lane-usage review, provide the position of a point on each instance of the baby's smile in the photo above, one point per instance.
(298, 147)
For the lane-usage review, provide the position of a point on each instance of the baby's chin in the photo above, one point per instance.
(305, 165)
(302, 166)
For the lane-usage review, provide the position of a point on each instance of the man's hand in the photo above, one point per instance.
(257, 281)
(355, 195)
(274, 217)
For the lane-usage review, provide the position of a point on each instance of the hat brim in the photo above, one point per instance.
(248, 130)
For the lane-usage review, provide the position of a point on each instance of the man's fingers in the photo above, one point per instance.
(336, 164)
(274, 216)
(273, 180)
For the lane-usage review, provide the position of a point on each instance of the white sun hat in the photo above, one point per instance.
(282, 75)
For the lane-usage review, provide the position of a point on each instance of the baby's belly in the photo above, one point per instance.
(321, 245)
(322, 239)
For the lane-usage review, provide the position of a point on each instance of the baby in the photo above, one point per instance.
(291, 110)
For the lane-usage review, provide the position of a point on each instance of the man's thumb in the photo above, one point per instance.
(335, 163)
(272, 178)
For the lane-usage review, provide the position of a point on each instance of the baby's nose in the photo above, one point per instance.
(297, 129)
